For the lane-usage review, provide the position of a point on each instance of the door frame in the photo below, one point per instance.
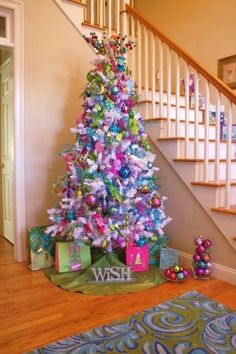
(17, 8)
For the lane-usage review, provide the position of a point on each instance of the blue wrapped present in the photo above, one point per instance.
(168, 258)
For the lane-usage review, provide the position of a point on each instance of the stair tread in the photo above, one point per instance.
(173, 120)
(199, 160)
(231, 210)
(213, 184)
(192, 139)
(172, 105)
(77, 2)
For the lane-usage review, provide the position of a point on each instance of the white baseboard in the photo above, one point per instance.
(218, 271)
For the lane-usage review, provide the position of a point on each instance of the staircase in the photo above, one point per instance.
(189, 135)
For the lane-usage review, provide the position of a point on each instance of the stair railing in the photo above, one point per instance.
(164, 74)
(105, 14)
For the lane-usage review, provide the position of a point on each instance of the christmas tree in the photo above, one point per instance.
(109, 195)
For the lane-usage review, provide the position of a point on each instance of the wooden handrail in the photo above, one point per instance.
(220, 85)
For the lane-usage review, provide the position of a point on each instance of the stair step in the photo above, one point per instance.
(97, 27)
(191, 139)
(231, 210)
(164, 119)
(200, 160)
(77, 2)
(165, 104)
(212, 184)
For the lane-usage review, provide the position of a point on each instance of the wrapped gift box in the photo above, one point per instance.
(72, 256)
(42, 248)
(155, 247)
(137, 258)
(168, 257)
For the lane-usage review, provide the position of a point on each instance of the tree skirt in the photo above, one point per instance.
(82, 281)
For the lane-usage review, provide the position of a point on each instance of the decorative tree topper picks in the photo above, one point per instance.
(109, 197)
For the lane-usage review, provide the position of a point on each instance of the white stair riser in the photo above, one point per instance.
(201, 152)
(161, 129)
(145, 110)
(213, 195)
(177, 147)
(157, 97)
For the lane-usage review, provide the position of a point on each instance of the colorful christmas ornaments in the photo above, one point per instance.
(202, 259)
(176, 273)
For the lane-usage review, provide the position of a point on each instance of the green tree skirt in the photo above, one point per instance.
(81, 281)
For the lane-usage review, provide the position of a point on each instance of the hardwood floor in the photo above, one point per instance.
(34, 312)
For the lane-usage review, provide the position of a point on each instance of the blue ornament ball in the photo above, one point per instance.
(125, 171)
(115, 90)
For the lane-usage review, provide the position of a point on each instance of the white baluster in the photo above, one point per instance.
(168, 92)
(196, 115)
(101, 2)
(186, 86)
(228, 157)
(133, 69)
(206, 140)
(160, 78)
(146, 66)
(118, 17)
(139, 60)
(153, 48)
(177, 101)
(217, 140)
(92, 12)
(109, 17)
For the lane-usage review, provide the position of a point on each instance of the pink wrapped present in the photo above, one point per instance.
(137, 258)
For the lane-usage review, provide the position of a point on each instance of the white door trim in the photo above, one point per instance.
(16, 6)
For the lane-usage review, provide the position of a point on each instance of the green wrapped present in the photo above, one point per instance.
(155, 245)
(72, 256)
(42, 248)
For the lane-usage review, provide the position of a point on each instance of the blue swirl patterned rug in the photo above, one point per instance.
(188, 324)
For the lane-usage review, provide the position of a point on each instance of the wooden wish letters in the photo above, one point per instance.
(111, 274)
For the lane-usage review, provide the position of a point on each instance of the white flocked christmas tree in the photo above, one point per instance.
(109, 197)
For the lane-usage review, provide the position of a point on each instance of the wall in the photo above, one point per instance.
(57, 59)
(189, 218)
(205, 29)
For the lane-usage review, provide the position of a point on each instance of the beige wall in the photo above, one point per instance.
(204, 28)
(189, 219)
(57, 59)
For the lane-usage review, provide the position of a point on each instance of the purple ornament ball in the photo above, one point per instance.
(186, 273)
(199, 272)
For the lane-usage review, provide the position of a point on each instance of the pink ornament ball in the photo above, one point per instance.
(155, 202)
(207, 243)
(200, 250)
(167, 273)
(196, 257)
(90, 199)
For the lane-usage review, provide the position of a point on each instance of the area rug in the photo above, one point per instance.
(190, 323)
